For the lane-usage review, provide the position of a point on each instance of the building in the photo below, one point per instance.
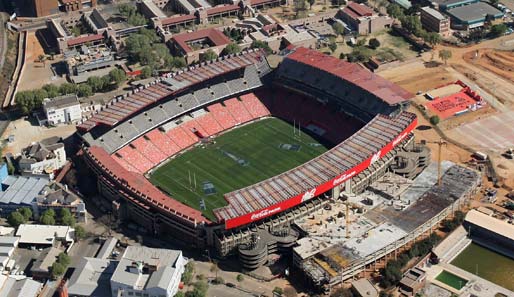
(489, 231)
(91, 278)
(63, 109)
(20, 191)
(444, 5)
(42, 8)
(45, 235)
(148, 272)
(364, 288)
(43, 158)
(42, 268)
(88, 61)
(474, 15)
(434, 21)
(362, 19)
(194, 45)
(56, 196)
(14, 287)
(412, 282)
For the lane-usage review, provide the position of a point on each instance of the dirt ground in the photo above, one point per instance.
(492, 75)
(36, 74)
(26, 132)
(498, 62)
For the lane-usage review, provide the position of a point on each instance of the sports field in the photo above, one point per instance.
(238, 158)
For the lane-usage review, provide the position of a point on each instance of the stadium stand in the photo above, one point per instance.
(362, 93)
(264, 198)
(238, 111)
(326, 96)
(222, 115)
(122, 107)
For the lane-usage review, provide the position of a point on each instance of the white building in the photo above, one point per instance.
(148, 272)
(63, 109)
(43, 158)
(44, 235)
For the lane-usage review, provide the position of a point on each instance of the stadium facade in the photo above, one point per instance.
(135, 133)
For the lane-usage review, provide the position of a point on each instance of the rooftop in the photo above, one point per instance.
(131, 268)
(356, 10)
(61, 101)
(436, 14)
(492, 224)
(92, 277)
(353, 73)
(365, 288)
(43, 234)
(45, 260)
(215, 36)
(84, 39)
(21, 189)
(474, 12)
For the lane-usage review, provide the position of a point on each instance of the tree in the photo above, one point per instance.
(66, 217)
(208, 55)
(338, 28)
(26, 213)
(80, 233)
(332, 46)
(96, 83)
(51, 90)
(299, 8)
(15, 219)
(412, 24)
(117, 76)
(445, 55)
(67, 88)
(263, 45)
(179, 62)
(434, 120)
(374, 43)
(84, 90)
(278, 291)
(48, 217)
(498, 30)
(394, 10)
(432, 38)
(57, 270)
(187, 276)
(240, 278)
(231, 48)
(342, 56)
(179, 294)
(311, 3)
(146, 72)
(64, 259)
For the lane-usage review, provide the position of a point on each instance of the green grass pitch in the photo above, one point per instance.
(236, 159)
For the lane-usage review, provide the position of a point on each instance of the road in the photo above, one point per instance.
(3, 37)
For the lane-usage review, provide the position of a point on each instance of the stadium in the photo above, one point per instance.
(226, 152)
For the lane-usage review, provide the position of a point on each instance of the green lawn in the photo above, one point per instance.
(451, 280)
(236, 159)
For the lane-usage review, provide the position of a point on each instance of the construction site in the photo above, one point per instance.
(358, 233)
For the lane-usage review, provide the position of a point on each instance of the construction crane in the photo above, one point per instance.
(440, 144)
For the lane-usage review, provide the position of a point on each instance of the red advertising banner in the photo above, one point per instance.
(294, 201)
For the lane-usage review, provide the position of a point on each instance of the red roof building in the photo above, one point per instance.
(195, 44)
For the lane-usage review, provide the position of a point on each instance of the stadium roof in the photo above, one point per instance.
(215, 36)
(353, 73)
(474, 12)
(140, 185)
(487, 222)
(346, 156)
(119, 109)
